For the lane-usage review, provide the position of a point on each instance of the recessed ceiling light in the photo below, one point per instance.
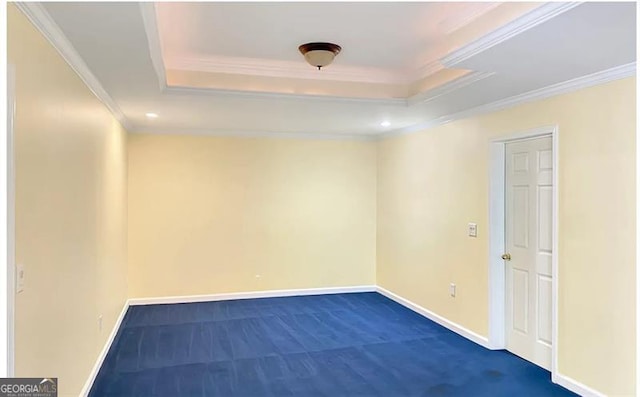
(385, 123)
(151, 115)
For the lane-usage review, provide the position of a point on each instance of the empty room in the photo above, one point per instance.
(320, 199)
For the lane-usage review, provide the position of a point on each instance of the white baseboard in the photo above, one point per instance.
(457, 328)
(557, 378)
(575, 386)
(103, 353)
(250, 295)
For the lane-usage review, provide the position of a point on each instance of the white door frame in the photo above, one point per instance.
(497, 268)
(7, 270)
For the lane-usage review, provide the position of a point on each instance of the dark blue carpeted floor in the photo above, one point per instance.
(327, 345)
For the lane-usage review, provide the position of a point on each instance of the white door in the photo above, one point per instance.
(529, 212)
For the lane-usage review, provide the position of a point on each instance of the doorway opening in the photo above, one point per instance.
(523, 287)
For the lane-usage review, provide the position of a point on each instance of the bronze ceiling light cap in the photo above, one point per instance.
(319, 54)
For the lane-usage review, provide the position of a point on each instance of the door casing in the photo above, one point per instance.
(497, 268)
(7, 266)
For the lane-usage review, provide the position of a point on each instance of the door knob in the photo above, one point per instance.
(506, 257)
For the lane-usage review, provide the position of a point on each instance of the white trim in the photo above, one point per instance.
(41, 19)
(497, 271)
(555, 263)
(578, 83)
(11, 219)
(448, 87)
(637, 155)
(425, 71)
(5, 322)
(300, 70)
(105, 349)
(575, 386)
(602, 77)
(180, 90)
(451, 24)
(7, 301)
(250, 295)
(257, 134)
(148, 11)
(457, 328)
(519, 25)
(288, 69)
(497, 281)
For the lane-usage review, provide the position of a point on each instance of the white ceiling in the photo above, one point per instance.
(383, 43)
(397, 36)
(523, 55)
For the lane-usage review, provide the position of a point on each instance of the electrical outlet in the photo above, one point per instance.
(472, 230)
(452, 290)
(100, 323)
(20, 277)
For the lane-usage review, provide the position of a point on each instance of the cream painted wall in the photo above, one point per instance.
(70, 160)
(207, 214)
(431, 184)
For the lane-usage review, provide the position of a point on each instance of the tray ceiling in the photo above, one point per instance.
(233, 68)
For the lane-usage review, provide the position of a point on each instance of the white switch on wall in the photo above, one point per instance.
(472, 230)
(19, 277)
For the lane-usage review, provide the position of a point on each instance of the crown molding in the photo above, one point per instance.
(41, 19)
(450, 24)
(602, 77)
(258, 134)
(565, 87)
(519, 25)
(179, 90)
(426, 70)
(448, 87)
(148, 11)
(285, 69)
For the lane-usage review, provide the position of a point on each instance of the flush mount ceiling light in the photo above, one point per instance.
(319, 54)
(385, 123)
(151, 115)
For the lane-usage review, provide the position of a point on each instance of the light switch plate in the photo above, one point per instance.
(452, 290)
(19, 278)
(472, 230)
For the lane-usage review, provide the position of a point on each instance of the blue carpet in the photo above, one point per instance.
(326, 345)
